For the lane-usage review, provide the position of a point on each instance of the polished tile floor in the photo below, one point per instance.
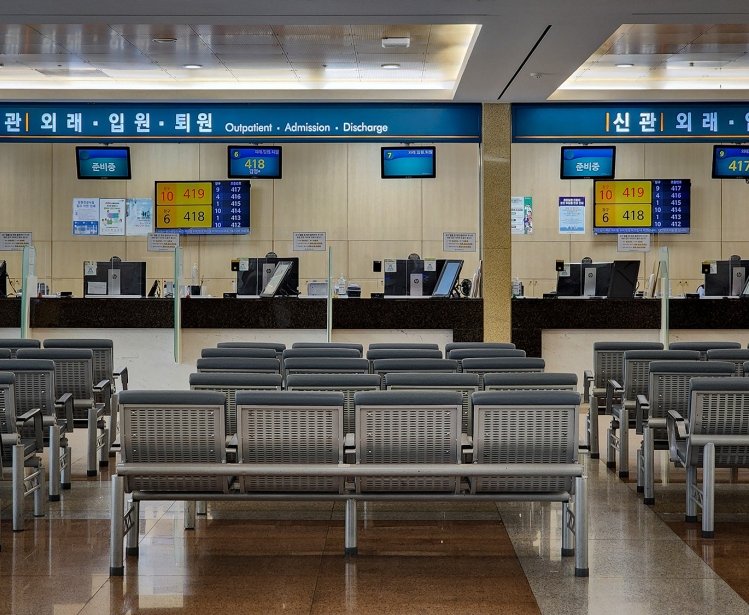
(414, 558)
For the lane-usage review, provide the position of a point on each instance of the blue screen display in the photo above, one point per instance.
(403, 162)
(103, 162)
(255, 162)
(730, 162)
(588, 162)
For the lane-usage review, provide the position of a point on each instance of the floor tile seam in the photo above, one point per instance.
(93, 595)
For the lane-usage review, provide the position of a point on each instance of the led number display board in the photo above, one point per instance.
(588, 162)
(254, 162)
(203, 207)
(730, 162)
(641, 206)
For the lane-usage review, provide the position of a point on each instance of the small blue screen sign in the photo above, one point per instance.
(254, 162)
(103, 162)
(588, 162)
(730, 162)
(408, 162)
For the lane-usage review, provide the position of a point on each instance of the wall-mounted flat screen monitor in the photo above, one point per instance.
(114, 278)
(203, 207)
(588, 162)
(730, 162)
(641, 206)
(448, 278)
(276, 282)
(103, 162)
(408, 162)
(254, 162)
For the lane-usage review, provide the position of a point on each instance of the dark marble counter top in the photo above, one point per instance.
(465, 317)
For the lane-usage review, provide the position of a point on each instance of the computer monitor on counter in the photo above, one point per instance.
(413, 277)
(114, 278)
(253, 275)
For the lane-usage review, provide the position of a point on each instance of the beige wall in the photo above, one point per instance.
(331, 187)
(719, 213)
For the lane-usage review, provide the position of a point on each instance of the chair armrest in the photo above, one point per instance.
(614, 394)
(122, 375)
(103, 393)
(64, 410)
(678, 432)
(103, 386)
(642, 411)
(587, 379)
(36, 416)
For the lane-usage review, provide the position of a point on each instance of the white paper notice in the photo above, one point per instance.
(85, 216)
(139, 216)
(309, 242)
(14, 242)
(458, 242)
(162, 242)
(111, 216)
(633, 242)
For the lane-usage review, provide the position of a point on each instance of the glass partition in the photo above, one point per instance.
(665, 294)
(177, 305)
(28, 287)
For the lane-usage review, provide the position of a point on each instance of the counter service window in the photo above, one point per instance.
(408, 162)
(588, 162)
(254, 162)
(203, 207)
(114, 278)
(103, 162)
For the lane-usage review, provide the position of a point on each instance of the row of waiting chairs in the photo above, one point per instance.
(400, 429)
(349, 384)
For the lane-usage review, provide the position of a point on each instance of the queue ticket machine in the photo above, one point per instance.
(114, 278)
(254, 274)
(411, 277)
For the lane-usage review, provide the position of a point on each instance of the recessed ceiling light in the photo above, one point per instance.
(396, 41)
(390, 66)
(192, 66)
(164, 39)
(625, 65)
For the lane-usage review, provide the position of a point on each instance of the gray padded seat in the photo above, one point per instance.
(14, 343)
(423, 346)
(4, 353)
(703, 347)
(465, 384)
(276, 346)
(525, 427)
(384, 366)
(458, 345)
(245, 353)
(348, 384)
(468, 353)
(329, 365)
(102, 354)
(488, 365)
(737, 356)
(403, 353)
(229, 383)
(408, 427)
(173, 427)
(531, 381)
(237, 364)
(290, 427)
(89, 343)
(295, 353)
(349, 345)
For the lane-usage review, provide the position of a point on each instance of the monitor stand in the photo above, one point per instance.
(113, 282)
(589, 281)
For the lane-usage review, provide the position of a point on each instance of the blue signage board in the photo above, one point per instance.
(255, 162)
(730, 162)
(588, 162)
(251, 122)
(103, 162)
(407, 162)
(612, 122)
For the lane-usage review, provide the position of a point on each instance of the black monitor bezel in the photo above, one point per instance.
(714, 173)
(601, 177)
(443, 274)
(78, 149)
(407, 147)
(251, 177)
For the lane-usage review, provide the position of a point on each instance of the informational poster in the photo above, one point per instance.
(633, 242)
(572, 215)
(309, 242)
(162, 242)
(14, 242)
(85, 216)
(111, 217)
(521, 215)
(138, 216)
(458, 242)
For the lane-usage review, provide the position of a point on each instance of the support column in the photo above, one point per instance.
(495, 223)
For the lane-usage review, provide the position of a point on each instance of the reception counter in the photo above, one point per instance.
(464, 317)
(530, 317)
